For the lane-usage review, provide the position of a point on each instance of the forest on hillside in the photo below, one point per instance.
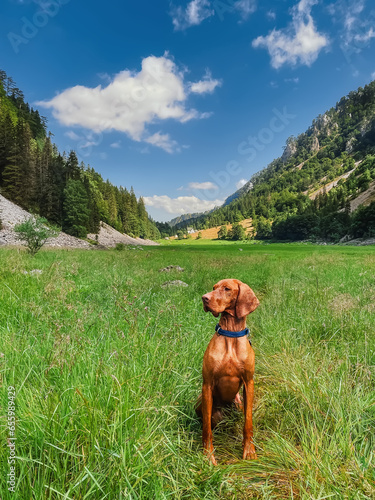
(338, 142)
(54, 185)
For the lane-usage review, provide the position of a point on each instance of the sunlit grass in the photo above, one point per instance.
(107, 368)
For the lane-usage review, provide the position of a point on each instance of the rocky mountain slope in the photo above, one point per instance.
(11, 214)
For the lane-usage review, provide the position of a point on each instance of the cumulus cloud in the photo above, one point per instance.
(195, 12)
(202, 185)
(299, 43)
(132, 101)
(115, 145)
(205, 86)
(182, 204)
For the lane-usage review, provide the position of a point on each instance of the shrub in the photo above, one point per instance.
(263, 228)
(35, 232)
(120, 247)
(223, 233)
(237, 232)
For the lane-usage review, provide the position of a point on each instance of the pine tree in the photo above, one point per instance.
(76, 211)
(143, 219)
(7, 139)
(16, 172)
(133, 220)
(72, 168)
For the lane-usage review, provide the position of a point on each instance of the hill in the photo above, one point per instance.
(38, 178)
(310, 190)
(212, 232)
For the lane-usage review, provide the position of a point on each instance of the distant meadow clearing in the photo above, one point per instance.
(106, 367)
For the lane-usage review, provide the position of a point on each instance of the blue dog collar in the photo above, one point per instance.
(228, 333)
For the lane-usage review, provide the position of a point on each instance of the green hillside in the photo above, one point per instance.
(278, 200)
(36, 176)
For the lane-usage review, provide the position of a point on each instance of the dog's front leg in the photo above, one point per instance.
(248, 444)
(207, 402)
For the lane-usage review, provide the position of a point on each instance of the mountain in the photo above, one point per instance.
(38, 178)
(240, 192)
(177, 221)
(341, 141)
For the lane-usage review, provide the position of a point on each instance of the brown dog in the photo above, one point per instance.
(228, 362)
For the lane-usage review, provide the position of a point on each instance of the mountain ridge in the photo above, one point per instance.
(331, 145)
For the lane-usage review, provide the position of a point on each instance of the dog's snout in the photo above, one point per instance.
(205, 298)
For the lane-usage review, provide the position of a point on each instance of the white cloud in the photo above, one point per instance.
(182, 204)
(271, 15)
(105, 76)
(163, 141)
(207, 85)
(292, 80)
(373, 76)
(241, 183)
(357, 29)
(365, 37)
(116, 145)
(196, 11)
(131, 102)
(246, 7)
(202, 185)
(299, 43)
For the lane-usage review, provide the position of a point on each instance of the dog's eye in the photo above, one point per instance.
(227, 289)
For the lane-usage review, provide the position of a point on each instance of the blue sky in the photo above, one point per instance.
(184, 100)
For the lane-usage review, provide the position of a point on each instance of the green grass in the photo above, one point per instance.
(107, 368)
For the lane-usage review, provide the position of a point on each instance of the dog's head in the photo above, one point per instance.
(230, 296)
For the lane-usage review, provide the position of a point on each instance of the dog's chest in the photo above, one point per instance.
(227, 359)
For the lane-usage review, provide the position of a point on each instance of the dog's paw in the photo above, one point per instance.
(249, 454)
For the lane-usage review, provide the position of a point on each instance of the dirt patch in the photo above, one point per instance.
(342, 303)
(211, 233)
(364, 198)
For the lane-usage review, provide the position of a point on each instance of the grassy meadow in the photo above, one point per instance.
(107, 367)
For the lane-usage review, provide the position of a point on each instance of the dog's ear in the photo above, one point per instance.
(246, 300)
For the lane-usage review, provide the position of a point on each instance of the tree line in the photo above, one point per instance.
(36, 176)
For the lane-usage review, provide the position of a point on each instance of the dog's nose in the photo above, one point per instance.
(205, 298)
